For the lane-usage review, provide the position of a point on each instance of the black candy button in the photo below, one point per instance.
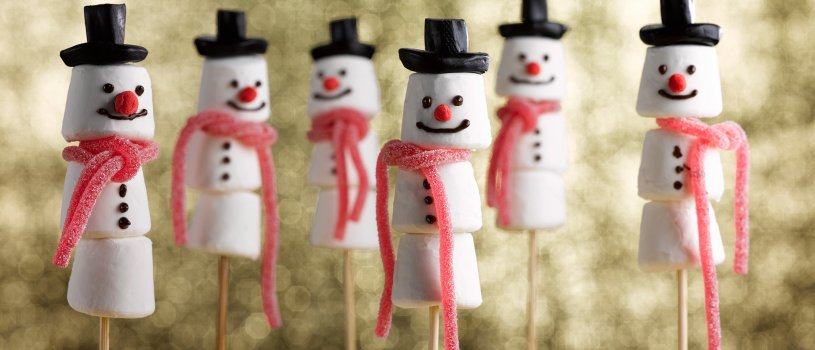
(678, 185)
(428, 200)
(677, 152)
(225, 177)
(122, 190)
(124, 223)
(123, 207)
(426, 184)
(430, 219)
(227, 145)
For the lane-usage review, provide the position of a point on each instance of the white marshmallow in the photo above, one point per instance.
(514, 79)
(662, 169)
(669, 237)
(358, 88)
(417, 280)
(323, 163)
(223, 79)
(86, 98)
(113, 278)
(442, 88)
(546, 148)
(678, 59)
(360, 234)
(226, 224)
(104, 219)
(221, 164)
(537, 199)
(410, 210)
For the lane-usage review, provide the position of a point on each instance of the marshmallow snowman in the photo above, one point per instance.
(108, 99)
(343, 79)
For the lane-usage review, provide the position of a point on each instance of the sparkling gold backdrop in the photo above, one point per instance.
(592, 295)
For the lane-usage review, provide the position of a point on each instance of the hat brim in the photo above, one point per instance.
(102, 54)
(421, 61)
(543, 29)
(210, 47)
(705, 34)
(343, 48)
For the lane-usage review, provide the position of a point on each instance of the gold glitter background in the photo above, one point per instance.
(592, 296)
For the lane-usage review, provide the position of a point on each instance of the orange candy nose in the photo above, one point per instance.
(247, 94)
(677, 83)
(126, 103)
(442, 113)
(331, 84)
(533, 68)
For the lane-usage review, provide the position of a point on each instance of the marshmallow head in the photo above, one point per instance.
(532, 67)
(446, 110)
(109, 100)
(680, 81)
(343, 81)
(237, 85)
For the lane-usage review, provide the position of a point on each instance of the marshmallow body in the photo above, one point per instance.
(113, 278)
(221, 164)
(537, 199)
(669, 237)
(360, 234)
(545, 148)
(417, 281)
(532, 67)
(356, 86)
(224, 81)
(664, 174)
(322, 171)
(414, 208)
(226, 224)
(121, 210)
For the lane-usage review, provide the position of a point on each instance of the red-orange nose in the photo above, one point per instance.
(533, 68)
(126, 103)
(247, 94)
(442, 113)
(331, 84)
(677, 83)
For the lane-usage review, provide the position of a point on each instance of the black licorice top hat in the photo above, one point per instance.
(231, 39)
(534, 22)
(445, 43)
(344, 41)
(677, 27)
(105, 32)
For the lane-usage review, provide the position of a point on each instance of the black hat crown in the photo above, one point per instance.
(445, 42)
(231, 38)
(534, 22)
(678, 27)
(105, 33)
(344, 41)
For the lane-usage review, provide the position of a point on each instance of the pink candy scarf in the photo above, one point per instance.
(108, 159)
(727, 136)
(519, 116)
(259, 136)
(411, 157)
(344, 127)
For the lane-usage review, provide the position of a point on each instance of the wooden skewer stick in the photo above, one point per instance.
(350, 315)
(433, 339)
(104, 333)
(531, 338)
(223, 289)
(682, 308)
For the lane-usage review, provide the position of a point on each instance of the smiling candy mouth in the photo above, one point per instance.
(320, 96)
(105, 112)
(463, 125)
(530, 82)
(692, 94)
(235, 106)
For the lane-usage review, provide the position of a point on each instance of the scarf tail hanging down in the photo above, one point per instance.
(410, 157)
(727, 136)
(107, 159)
(259, 136)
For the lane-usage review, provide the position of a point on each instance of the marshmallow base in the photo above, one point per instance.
(226, 224)
(417, 281)
(669, 237)
(537, 199)
(113, 278)
(360, 234)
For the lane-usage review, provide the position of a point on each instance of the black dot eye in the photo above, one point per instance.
(545, 58)
(107, 88)
(233, 83)
(320, 74)
(258, 83)
(663, 69)
(458, 100)
(691, 69)
(139, 90)
(342, 72)
(427, 101)
(522, 57)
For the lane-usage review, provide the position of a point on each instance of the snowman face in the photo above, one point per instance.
(343, 81)
(237, 85)
(109, 100)
(446, 110)
(680, 81)
(532, 67)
